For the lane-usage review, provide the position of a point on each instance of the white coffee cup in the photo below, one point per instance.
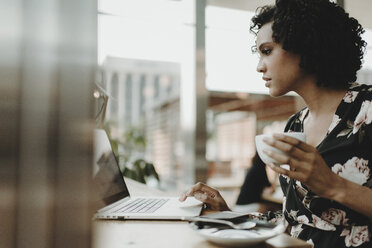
(260, 145)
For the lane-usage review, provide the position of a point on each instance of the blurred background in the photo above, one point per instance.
(173, 82)
(191, 95)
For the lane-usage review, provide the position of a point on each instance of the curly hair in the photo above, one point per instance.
(328, 40)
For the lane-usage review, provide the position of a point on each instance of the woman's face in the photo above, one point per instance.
(280, 68)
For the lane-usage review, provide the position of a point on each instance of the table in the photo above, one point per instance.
(155, 233)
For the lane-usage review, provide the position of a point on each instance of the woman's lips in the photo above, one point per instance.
(268, 81)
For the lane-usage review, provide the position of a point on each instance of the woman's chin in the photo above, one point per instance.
(274, 93)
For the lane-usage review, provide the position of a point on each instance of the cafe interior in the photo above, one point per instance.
(173, 85)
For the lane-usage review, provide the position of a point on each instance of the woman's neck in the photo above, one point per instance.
(322, 104)
(321, 101)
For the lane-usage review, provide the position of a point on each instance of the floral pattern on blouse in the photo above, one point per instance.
(355, 170)
(355, 236)
(347, 149)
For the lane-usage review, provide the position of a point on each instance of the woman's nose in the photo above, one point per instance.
(260, 66)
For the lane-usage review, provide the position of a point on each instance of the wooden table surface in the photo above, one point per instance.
(155, 233)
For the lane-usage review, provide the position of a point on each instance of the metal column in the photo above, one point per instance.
(194, 97)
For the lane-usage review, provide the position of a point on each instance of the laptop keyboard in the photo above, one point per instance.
(142, 205)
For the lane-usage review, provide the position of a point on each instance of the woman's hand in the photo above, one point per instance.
(208, 195)
(306, 164)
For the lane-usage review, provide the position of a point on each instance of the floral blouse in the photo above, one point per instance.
(347, 150)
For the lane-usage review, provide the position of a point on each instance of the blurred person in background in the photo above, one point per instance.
(315, 49)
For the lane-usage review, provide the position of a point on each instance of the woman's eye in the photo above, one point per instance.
(266, 51)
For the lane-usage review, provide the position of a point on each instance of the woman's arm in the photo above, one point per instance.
(308, 167)
(352, 195)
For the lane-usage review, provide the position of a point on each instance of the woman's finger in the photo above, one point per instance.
(203, 188)
(285, 147)
(199, 195)
(293, 141)
(182, 197)
(201, 192)
(203, 197)
(283, 159)
(291, 174)
(208, 195)
(277, 168)
(213, 202)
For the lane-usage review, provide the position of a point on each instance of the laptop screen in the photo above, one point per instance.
(107, 178)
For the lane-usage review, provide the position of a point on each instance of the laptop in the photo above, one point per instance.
(114, 198)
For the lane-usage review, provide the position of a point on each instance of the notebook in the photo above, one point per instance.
(112, 193)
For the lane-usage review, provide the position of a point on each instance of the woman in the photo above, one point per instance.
(314, 49)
